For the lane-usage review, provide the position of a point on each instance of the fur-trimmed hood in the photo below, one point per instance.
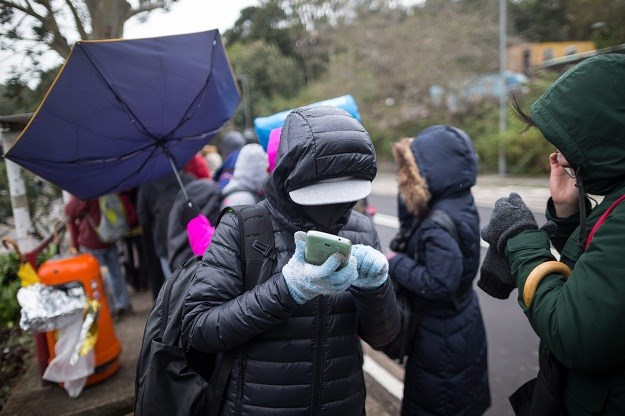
(439, 162)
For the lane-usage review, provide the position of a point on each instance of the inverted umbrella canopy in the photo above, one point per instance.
(122, 112)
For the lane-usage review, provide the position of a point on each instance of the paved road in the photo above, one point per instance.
(512, 343)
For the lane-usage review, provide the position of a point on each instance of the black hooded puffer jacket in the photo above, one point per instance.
(293, 360)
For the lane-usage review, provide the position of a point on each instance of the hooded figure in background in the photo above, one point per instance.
(250, 172)
(296, 336)
(446, 372)
(206, 197)
(229, 148)
(154, 201)
(578, 319)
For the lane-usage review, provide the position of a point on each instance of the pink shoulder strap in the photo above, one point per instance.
(602, 219)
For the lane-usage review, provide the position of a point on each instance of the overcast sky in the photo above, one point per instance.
(186, 16)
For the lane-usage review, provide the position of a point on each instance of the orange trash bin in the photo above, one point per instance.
(85, 269)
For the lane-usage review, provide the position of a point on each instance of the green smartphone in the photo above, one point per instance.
(320, 246)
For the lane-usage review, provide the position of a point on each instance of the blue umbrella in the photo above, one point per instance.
(124, 112)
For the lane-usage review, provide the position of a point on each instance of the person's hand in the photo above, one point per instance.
(564, 193)
(306, 281)
(510, 217)
(372, 267)
(73, 250)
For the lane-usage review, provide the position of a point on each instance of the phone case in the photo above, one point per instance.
(320, 246)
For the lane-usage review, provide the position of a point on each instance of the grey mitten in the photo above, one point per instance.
(496, 275)
(510, 217)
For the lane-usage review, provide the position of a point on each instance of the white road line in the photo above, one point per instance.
(393, 222)
(386, 220)
(386, 379)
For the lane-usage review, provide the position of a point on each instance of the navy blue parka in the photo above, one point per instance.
(446, 372)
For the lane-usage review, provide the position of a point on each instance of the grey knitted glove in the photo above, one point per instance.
(510, 217)
(305, 281)
(372, 267)
(496, 275)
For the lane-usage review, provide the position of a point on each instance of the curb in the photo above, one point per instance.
(534, 191)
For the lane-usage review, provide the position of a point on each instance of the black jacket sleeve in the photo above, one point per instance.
(218, 316)
(378, 315)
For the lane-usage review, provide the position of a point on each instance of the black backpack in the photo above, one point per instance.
(170, 381)
(409, 311)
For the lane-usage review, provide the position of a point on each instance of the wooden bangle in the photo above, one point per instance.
(536, 275)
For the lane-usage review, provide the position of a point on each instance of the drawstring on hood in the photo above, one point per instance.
(582, 114)
(579, 182)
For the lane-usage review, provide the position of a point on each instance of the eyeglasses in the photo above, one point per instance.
(567, 168)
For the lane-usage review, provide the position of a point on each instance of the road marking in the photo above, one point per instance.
(386, 379)
(386, 220)
(393, 222)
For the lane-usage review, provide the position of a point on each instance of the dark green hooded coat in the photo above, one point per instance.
(582, 319)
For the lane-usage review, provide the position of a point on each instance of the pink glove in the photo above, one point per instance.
(200, 232)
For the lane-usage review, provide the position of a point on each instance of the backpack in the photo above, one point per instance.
(113, 223)
(410, 312)
(170, 381)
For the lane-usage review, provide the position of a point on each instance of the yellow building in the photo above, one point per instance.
(525, 57)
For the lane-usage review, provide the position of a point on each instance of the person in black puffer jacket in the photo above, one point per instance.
(446, 371)
(206, 198)
(297, 345)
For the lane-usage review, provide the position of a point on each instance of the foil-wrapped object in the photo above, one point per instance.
(88, 332)
(47, 308)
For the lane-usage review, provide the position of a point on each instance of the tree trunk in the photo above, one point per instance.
(108, 17)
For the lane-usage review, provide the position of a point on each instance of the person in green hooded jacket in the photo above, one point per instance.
(580, 320)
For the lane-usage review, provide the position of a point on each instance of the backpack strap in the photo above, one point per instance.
(258, 252)
(167, 288)
(443, 220)
(258, 256)
(602, 219)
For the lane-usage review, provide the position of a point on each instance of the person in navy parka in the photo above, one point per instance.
(446, 371)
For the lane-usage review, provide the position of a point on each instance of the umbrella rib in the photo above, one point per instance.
(198, 98)
(110, 189)
(133, 117)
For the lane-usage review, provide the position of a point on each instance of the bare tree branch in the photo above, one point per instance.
(79, 25)
(58, 43)
(147, 8)
(27, 10)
